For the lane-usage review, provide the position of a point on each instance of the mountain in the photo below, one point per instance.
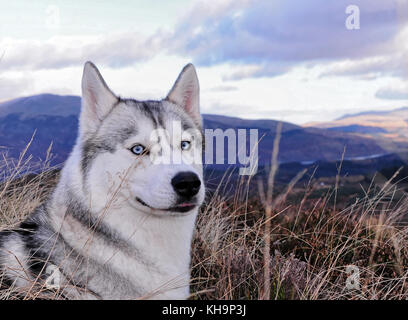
(54, 119)
(375, 113)
(42, 104)
(381, 125)
(355, 128)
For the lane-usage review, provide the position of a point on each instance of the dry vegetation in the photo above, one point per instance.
(304, 253)
(311, 250)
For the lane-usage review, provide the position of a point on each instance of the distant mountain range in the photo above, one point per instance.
(375, 113)
(54, 119)
(383, 126)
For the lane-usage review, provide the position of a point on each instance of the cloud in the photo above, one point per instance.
(393, 93)
(223, 88)
(113, 50)
(370, 67)
(14, 87)
(256, 71)
(393, 64)
(258, 38)
(250, 111)
(278, 35)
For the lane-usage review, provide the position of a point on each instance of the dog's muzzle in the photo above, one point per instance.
(186, 185)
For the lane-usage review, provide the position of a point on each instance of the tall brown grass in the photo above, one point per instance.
(267, 247)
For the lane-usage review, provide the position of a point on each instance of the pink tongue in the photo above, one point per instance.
(184, 205)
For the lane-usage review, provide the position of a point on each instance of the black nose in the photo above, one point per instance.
(186, 184)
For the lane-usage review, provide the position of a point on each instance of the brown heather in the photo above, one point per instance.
(304, 255)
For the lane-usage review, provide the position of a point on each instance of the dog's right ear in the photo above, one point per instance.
(97, 99)
(186, 92)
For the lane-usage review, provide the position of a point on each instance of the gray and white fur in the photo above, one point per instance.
(119, 224)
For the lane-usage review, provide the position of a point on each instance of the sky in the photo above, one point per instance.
(290, 60)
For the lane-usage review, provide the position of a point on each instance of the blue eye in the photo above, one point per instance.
(138, 149)
(185, 145)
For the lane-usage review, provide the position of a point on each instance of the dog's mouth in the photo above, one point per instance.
(180, 207)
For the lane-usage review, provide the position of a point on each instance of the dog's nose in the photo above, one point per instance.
(186, 184)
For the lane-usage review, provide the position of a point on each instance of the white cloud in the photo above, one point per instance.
(114, 50)
(14, 86)
(393, 63)
(267, 38)
(393, 92)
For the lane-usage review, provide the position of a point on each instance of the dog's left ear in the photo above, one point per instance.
(186, 92)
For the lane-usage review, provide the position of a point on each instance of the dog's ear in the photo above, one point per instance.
(97, 99)
(186, 92)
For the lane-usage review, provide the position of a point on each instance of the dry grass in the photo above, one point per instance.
(311, 248)
(304, 255)
(21, 190)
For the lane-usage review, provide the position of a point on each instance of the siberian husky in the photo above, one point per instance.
(119, 223)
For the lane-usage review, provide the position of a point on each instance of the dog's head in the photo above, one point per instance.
(144, 154)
